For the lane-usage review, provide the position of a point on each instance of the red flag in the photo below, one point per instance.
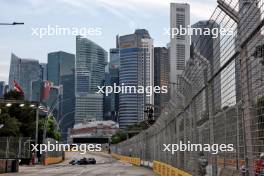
(18, 88)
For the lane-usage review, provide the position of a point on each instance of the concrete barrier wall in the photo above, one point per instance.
(52, 160)
(8, 165)
(159, 168)
(164, 169)
(2, 166)
(131, 160)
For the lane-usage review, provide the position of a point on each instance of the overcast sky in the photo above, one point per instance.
(113, 16)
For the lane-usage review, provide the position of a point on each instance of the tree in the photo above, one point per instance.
(21, 121)
(52, 131)
(13, 95)
(10, 127)
(118, 137)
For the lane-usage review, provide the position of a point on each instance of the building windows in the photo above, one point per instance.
(180, 57)
(180, 9)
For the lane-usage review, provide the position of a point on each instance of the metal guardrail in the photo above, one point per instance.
(15, 148)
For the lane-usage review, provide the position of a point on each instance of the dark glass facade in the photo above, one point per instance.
(24, 71)
(161, 77)
(209, 48)
(60, 71)
(91, 60)
(2, 89)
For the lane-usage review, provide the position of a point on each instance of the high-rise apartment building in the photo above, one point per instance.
(136, 69)
(24, 72)
(90, 65)
(179, 44)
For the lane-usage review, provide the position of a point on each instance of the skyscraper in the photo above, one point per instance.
(114, 58)
(36, 87)
(107, 98)
(114, 66)
(6, 89)
(60, 71)
(43, 71)
(90, 65)
(161, 77)
(2, 89)
(136, 69)
(179, 44)
(210, 52)
(24, 71)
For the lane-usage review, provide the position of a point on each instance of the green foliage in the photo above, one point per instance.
(118, 137)
(129, 132)
(11, 125)
(138, 127)
(52, 131)
(21, 121)
(13, 95)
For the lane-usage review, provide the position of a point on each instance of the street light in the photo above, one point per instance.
(8, 105)
(14, 23)
(50, 112)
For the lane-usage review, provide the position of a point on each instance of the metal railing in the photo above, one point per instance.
(15, 148)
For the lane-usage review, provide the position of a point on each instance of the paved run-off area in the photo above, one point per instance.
(106, 166)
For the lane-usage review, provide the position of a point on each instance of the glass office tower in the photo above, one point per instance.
(60, 71)
(136, 69)
(24, 72)
(90, 65)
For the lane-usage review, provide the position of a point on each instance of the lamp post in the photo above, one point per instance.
(14, 23)
(50, 114)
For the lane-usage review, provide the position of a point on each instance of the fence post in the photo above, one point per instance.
(7, 147)
(246, 113)
(209, 91)
(19, 147)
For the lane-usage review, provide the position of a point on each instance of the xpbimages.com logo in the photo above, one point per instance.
(148, 90)
(182, 147)
(183, 31)
(82, 148)
(56, 30)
